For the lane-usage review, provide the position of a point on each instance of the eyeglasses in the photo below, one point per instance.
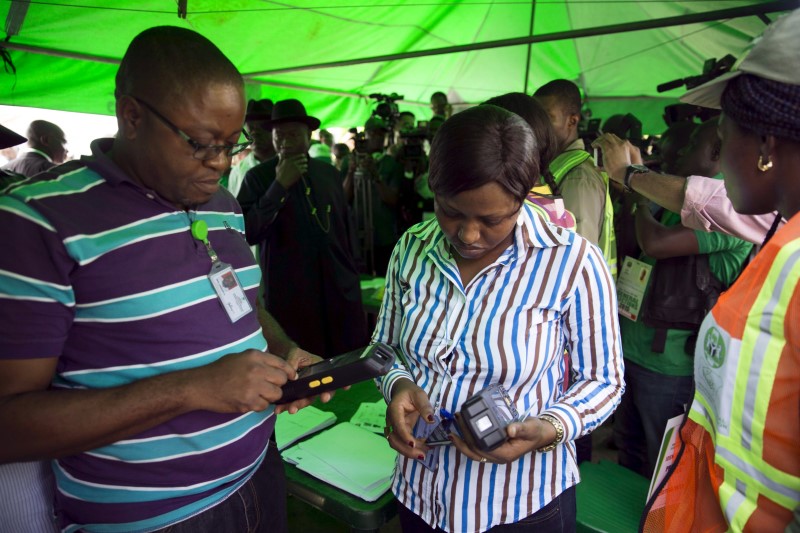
(203, 152)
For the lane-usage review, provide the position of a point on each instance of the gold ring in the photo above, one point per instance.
(483, 459)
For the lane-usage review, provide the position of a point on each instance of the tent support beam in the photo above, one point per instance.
(59, 53)
(16, 17)
(530, 45)
(694, 18)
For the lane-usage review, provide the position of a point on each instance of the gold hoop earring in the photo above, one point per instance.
(762, 166)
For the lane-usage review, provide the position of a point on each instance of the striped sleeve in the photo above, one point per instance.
(37, 301)
(390, 317)
(595, 351)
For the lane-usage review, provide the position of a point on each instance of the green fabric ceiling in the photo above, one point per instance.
(66, 53)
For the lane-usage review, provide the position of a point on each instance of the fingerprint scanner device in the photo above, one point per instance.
(486, 416)
(340, 371)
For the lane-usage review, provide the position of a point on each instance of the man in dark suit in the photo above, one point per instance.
(294, 207)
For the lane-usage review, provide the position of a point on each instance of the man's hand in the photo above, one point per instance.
(290, 169)
(618, 155)
(524, 437)
(240, 382)
(299, 358)
(409, 402)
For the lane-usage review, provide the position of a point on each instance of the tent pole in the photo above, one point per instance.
(694, 18)
(16, 17)
(58, 53)
(530, 45)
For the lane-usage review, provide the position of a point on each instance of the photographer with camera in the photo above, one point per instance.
(409, 150)
(372, 185)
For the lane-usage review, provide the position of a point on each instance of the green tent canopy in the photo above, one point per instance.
(332, 54)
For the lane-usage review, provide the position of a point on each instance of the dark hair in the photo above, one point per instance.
(407, 113)
(439, 93)
(763, 107)
(566, 92)
(481, 145)
(166, 61)
(534, 114)
(340, 150)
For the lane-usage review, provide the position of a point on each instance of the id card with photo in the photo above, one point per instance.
(229, 290)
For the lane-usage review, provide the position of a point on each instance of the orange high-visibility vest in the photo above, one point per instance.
(738, 464)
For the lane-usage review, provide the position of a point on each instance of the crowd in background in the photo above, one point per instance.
(503, 238)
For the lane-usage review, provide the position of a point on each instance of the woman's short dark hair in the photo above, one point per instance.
(481, 145)
(537, 118)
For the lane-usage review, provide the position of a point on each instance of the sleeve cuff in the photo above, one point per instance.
(573, 427)
(386, 382)
(276, 194)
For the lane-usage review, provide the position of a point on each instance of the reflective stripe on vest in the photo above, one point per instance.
(745, 404)
(560, 167)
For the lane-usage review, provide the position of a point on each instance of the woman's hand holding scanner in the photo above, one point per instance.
(523, 437)
(409, 402)
(290, 169)
(239, 382)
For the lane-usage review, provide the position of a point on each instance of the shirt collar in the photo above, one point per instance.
(577, 144)
(101, 162)
(43, 154)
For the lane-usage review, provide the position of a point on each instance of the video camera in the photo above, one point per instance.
(387, 108)
(414, 140)
(711, 69)
(359, 140)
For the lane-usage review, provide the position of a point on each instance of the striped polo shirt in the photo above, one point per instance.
(107, 277)
(550, 291)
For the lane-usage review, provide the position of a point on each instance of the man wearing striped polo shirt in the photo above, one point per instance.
(131, 352)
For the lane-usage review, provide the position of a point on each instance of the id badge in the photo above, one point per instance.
(229, 291)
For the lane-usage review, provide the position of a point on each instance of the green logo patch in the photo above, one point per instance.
(714, 347)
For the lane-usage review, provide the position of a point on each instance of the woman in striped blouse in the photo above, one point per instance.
(489, 293)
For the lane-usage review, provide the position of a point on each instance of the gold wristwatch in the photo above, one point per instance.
(556, 423)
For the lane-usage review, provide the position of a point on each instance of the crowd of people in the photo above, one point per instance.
(159, 295)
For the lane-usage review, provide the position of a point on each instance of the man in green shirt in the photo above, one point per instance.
(659, 366)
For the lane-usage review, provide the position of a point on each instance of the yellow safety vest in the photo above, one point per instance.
(560, 166)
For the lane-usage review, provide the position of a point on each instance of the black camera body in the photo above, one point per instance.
(712, 69)
(486, 416)
(360, 142)
(386, 108)
(414, 142)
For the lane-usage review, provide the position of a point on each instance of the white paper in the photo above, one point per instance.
(348, 457)
(371, 416)
(291, 428)
(666, 453)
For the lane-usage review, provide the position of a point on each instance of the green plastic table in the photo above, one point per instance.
(358, 514)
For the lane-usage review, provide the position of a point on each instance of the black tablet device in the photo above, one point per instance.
(339, 371)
